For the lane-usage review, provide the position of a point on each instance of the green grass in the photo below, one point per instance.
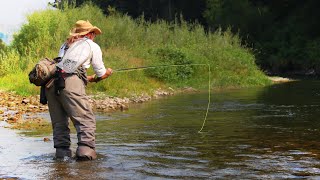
(132, 43)
(19, 83)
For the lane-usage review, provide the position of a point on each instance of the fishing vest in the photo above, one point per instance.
(77, 54)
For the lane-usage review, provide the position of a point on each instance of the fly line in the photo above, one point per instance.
(178, 65)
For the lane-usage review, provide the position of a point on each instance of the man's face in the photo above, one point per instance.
(92, 35)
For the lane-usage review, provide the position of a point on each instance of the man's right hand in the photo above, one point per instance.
(109, 71)
(94, 78)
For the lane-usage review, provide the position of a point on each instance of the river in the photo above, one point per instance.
(251, 133)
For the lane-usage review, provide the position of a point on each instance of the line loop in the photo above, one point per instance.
(177, 65)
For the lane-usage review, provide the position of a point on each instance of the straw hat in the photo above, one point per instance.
(84, 27)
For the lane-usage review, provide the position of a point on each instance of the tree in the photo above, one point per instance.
(151, 9)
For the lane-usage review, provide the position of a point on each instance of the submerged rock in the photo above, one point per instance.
(45, 139)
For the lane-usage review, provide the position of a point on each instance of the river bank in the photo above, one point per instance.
(23, 112)
(277, 79)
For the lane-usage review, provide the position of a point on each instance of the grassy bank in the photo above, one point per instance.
(131, 43)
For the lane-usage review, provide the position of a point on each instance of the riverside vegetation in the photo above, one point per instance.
(132, 43)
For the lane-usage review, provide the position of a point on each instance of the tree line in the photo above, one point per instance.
(283, 34)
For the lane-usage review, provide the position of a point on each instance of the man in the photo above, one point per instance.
(67, 97)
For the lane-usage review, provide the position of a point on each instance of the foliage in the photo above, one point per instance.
(2, 46)
(125, 43)
(282, 33)
(151, 9)
(171, 56)
(284, 42)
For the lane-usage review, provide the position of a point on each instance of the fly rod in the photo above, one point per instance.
(177, 65)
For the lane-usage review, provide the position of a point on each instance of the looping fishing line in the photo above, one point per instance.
(152, 67)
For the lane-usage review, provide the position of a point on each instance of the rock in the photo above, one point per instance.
(280, 79)
(11, 104)
(45, 139)
(189, 89)
(123, 107)
(12, 119)
(25, 101)
(33, 106)
(12, 108)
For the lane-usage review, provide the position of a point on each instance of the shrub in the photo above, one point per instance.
(171, 56)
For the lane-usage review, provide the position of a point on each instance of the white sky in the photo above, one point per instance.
(13, 12)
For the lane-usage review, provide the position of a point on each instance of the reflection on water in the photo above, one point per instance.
(256, 133)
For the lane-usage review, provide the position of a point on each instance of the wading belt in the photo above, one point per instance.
(60, 76)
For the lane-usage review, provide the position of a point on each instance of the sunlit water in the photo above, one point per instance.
(256, 133)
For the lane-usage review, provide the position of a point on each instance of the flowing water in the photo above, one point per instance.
(257, 133)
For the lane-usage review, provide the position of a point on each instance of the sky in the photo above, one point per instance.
(13, 12)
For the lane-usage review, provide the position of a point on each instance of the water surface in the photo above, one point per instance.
(256, 133)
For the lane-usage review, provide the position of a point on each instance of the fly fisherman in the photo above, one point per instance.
(67, 97)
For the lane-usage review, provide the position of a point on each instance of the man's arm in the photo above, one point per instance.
(94, 78)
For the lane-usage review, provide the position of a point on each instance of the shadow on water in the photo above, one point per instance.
(254, 133)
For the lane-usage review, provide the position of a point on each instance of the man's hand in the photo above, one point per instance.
(91, 78)
(109, 71)
(94, 78)
(107, 74)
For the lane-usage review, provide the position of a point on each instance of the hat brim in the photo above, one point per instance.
(94, 29)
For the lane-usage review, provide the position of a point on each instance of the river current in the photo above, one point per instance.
(253, 133)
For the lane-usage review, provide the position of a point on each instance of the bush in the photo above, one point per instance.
(3, 47)
(171, 56)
